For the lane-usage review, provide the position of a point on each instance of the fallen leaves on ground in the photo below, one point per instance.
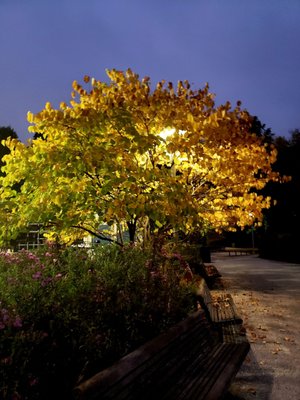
(262, 329)
(289, 339)
(276, 350)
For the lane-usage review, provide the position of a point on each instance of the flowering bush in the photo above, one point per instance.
(64, 315)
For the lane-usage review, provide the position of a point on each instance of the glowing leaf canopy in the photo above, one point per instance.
(141, 159)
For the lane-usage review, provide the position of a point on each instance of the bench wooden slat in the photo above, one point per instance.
(194, 328)
(233, 333)
(207, 380)
(172, 383)
(224, 310)
(187, 362)
(220, 308)
(227, 368)
(174, 359)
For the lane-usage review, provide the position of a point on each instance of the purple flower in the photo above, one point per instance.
(32, 256)
(33, 381)
(46, 281)
(5, 317)
(18, 322)
(37, 275)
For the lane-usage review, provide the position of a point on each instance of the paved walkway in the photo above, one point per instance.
(267, 294)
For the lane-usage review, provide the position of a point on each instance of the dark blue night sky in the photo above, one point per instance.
(246, 50)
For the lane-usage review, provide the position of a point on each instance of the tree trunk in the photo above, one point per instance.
(132, 230)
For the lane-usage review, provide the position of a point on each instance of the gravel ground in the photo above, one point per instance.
(267, 295)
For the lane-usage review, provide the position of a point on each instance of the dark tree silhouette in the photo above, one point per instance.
(38, 135)
(5, 132)
(261, 131)
(281, 236)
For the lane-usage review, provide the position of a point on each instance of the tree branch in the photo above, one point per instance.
(98, 235)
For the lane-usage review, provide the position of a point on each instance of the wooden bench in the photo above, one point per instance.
(209, 272)
(219, 306)
(222, 313)
(240, 250)
(187, 362)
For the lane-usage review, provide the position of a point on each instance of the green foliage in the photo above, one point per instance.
(65, 315)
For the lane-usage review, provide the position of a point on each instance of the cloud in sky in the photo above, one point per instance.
(247, 51)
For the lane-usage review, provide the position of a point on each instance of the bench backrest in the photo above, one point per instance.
(167, 354)
(203, 291)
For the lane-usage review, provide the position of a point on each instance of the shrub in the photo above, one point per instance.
(66, 315)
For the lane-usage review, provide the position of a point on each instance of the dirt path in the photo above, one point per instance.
(267, 294)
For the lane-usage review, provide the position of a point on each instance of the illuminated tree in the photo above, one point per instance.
(140, 159)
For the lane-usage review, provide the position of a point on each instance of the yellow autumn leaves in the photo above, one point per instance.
(122, 152)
